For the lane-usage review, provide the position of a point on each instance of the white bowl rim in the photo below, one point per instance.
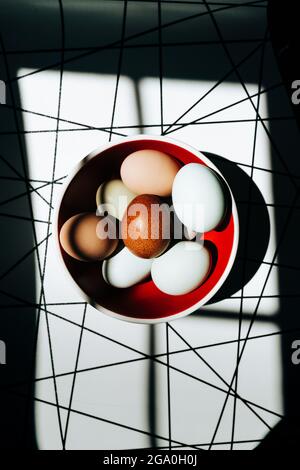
(93, 154)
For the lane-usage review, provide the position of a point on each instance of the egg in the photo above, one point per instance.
(198, 197)
(114, 196)
(183, 268)
(149, 172)
(87, 237)
(146, 226)
(125, 269)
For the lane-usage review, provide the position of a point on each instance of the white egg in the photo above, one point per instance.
(115, 197)
(125, 269)
(181, 269)
(198, 197)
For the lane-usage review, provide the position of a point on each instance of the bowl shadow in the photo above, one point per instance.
(254, 233)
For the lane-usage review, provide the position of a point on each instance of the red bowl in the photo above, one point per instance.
(144, 302)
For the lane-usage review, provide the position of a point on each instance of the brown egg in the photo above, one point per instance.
(146, 226)
(88, 237)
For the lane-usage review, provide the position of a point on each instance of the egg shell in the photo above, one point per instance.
(79, 237)
(146, 231)
(183, 268)
(198, 197)
(114, 196)
(149, 172)
(125, 269)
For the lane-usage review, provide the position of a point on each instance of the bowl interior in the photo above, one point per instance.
(143, 301)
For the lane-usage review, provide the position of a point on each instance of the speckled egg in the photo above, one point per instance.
(146, 226)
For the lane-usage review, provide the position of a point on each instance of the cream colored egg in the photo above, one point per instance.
(114, 197)
(149, 172)
(181, 269)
